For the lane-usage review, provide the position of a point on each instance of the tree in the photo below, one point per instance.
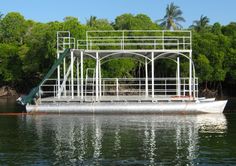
(172, 18)
(101, 24)
(216, 29)
(91, 21)
(215, 47)
(134, 22)
(10, 68)
(73, 25)
(203, 69)
(230, 61)
(12, 28)
(123, 22)
(201, 24)
(230, 32)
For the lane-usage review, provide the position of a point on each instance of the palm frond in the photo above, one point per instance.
(172, 17)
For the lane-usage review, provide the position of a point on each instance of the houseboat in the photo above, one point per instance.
(72, 87)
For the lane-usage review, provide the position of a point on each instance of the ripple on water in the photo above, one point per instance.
(116, 140)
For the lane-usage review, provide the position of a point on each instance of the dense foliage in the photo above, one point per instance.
(28, 49)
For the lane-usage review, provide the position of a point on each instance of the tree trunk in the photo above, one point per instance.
(214, 85)
(220, 89)
(206, 85)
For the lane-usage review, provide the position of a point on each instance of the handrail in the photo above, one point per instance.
(136, 40)
(185, 31)
(123, 87)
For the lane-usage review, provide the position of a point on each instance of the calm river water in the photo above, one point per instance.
(205, 139)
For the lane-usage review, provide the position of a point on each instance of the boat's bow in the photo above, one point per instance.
(211, 106)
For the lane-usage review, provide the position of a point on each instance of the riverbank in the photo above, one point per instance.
(6, 91)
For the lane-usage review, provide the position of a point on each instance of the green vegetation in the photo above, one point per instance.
(172, 17)
(28, 48)
(201, 24)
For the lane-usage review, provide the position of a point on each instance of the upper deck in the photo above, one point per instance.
(127, 40)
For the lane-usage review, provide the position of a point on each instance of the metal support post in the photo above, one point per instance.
(86, 40)
(184, 43)
(77, 75)
(97, 81)
(194, 84)
(146, 77)
(58, 76)
(123, 40)
(178, 78)
(72, 73)
(184, 88)
(163, 40)
(190, 74)
(197, 88)
(81, 74)
(117, 87)
(152, 74)
(64, 72)
(165, 87)
(100, 79)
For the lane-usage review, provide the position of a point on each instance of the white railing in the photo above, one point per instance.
(137, 86)
(64, 40)
(136, 39)
(163, 87)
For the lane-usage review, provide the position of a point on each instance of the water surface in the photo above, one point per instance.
(204, 139)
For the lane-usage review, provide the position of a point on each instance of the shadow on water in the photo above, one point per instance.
(9, 105)
(231, 106)
(116, 140)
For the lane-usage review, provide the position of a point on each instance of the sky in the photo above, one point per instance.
(222, 11)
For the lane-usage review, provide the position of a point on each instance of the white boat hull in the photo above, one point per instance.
(130, 107)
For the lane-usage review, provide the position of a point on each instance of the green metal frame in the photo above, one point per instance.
(29, 99)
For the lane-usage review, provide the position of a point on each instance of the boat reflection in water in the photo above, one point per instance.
(126, 139)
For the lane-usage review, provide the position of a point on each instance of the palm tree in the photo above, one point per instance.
(172, 18)
(91, 21)
(200, 24)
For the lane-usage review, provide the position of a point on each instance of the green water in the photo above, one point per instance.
(116, 140)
